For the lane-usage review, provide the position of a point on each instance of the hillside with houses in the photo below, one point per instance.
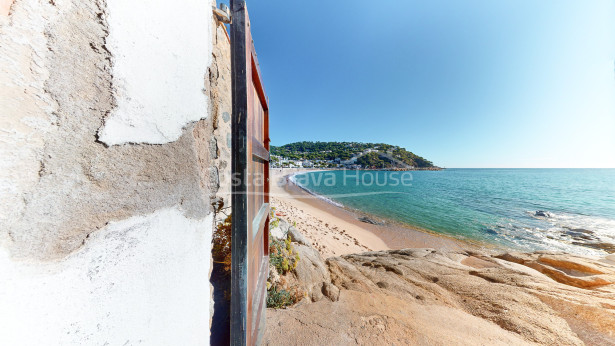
(349, 155)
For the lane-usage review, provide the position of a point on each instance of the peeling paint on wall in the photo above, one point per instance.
(161, 50)
(141, 280)
(110, 243)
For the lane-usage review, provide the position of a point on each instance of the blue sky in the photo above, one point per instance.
(474, 83)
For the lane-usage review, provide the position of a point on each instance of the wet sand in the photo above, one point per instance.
(336, 231)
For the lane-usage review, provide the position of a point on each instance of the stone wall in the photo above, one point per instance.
(114, 155)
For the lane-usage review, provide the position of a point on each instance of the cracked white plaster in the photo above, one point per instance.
(161, 51)
(140, 280)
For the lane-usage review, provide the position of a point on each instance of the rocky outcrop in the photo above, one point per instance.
(426, 296)
(313, 276)
(284, 230)
(280, 231)
(297, 237)
(369, 220)
(567, 269)
(542, 213)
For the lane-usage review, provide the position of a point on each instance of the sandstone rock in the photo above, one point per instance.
(311, 272)
(280, 232)
(424, 296)
(274, 276)
(365, 319)
(370, 221)
(382, 284)
(316, 295)
(567, 269)
(297, 237)
(331, 291)
(284, 226)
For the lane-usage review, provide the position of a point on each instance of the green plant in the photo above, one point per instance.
(345, 150)
(275, 222)
(221, 251)
(279, 298)
(282, 255)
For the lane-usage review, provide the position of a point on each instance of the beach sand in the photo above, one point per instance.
(419, 296)
(336, 231)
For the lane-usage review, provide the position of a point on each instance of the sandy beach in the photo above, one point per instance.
(465, 293)
(336, 231)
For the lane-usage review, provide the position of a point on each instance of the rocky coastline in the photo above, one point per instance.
(358, 283)
(429, 296)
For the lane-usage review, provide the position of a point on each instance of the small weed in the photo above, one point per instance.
(275, 222)
(279, 298)
(221, 251)
(282, 256)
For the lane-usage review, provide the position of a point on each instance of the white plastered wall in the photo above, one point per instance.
(161, 52)
(142, 279)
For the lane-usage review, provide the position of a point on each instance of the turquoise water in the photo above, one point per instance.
(492, 205)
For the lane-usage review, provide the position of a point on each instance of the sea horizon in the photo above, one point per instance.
(513, 217)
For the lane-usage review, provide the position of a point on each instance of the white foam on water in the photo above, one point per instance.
(561, 232)
(293, 179)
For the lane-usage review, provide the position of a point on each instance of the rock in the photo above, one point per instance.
(297, 237)
(311, 272)
(370, 221)
(277, 233)
(316, 295)
(311, 275)
(542, 213)
(284, 225)
(424, 296)
(331, 291)
(569, 262)
(581, 234)
(280, 232)
(567, 269)
(274, 276)
(382, 284)
(607, 247)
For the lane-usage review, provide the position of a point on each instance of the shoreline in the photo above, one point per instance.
(560, 296)
(336, 230)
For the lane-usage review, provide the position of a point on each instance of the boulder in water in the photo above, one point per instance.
(368, 220)
(542, 213)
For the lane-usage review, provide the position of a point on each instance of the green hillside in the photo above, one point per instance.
(368, 155)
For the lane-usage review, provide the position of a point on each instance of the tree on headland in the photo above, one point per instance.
(372, 155)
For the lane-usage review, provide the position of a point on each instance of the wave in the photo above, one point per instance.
(471, 213)
(321, 197)
(566, 232)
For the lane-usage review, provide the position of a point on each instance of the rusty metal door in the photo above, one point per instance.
(250, 201)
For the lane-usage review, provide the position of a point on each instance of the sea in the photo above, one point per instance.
(570, 210)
